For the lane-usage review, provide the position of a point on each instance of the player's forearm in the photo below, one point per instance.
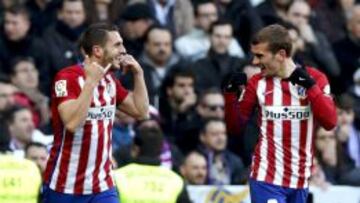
(323, 108)
(141, 98)
(74, 112)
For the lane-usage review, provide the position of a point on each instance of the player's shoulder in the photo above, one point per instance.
(74, 70)
(315, 73)
(255, 78)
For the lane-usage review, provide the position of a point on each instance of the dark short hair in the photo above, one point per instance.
(137, 11)
(18, 9)
(276, 36)
(155, 27)
(169, 80)
(34, 144)
(96, 34)
(207, 121)
(10, 113)
(150, 141)
(198, 3)
(212, 90)
(65, 1)
(219, 22)
(14, 62)
(344, 102)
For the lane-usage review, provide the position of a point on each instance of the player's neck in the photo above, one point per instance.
(287, 68)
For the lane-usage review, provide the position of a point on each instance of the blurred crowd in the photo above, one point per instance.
(186, 49)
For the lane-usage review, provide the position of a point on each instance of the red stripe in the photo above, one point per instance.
(256, 164)
(83, 159)
(256, 156)
(286, 139)
(64, 162)
(302, 149)
(54, 153)
(108, 164)
(271, 167)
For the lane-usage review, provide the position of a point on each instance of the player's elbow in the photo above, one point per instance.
(71, 126)
(141, 115)
(330, 124)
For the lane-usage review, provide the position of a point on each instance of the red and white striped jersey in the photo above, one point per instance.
(79, 162)
(284, 152)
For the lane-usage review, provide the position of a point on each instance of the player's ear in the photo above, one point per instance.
(281, 55)
(97, 51)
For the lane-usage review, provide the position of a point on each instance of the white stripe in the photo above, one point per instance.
(88, 184)
(113, 85)
(309, 140)
(263, 148)
(295, 140)
(74, 160)
(56, 172)
(102, 174)
(81, 82)
(278, 134)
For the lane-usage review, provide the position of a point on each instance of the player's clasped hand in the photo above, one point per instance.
(94, 71)
(302, 78)
(127, 62)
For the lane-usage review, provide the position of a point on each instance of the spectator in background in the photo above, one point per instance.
(354, 92)
(107, 11)
(210, 105)
(177, 102)
(347, 134)
(20, 178)
(349, 139)
(38, 153)
(5, 4)
(347, 50)
(135, 21)
(25, 77)
(194, 169)
(316, 44)
(61, 38)
(243, 17)
(338, 168)
(157, 60)
(195, 44)
(21, 128)
(273, 11)
(330, 17)
(211, 70)
(224, 167)
(43, 14)
(145, 180)
(18, 41)
(7, 91)
(176, 15)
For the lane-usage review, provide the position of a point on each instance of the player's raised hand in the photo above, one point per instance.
(127, 62)
(93, 70)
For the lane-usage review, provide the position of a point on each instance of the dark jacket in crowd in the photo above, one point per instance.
(235, 167)
(245, 21)
(30, 46)
(211, 70)
(62, 47)
(267, 13)
(347, 52)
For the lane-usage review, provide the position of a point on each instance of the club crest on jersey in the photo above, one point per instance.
(301, 91)
(60, 88)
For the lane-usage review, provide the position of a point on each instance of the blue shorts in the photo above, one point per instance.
(51, 196)
(262, 192)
